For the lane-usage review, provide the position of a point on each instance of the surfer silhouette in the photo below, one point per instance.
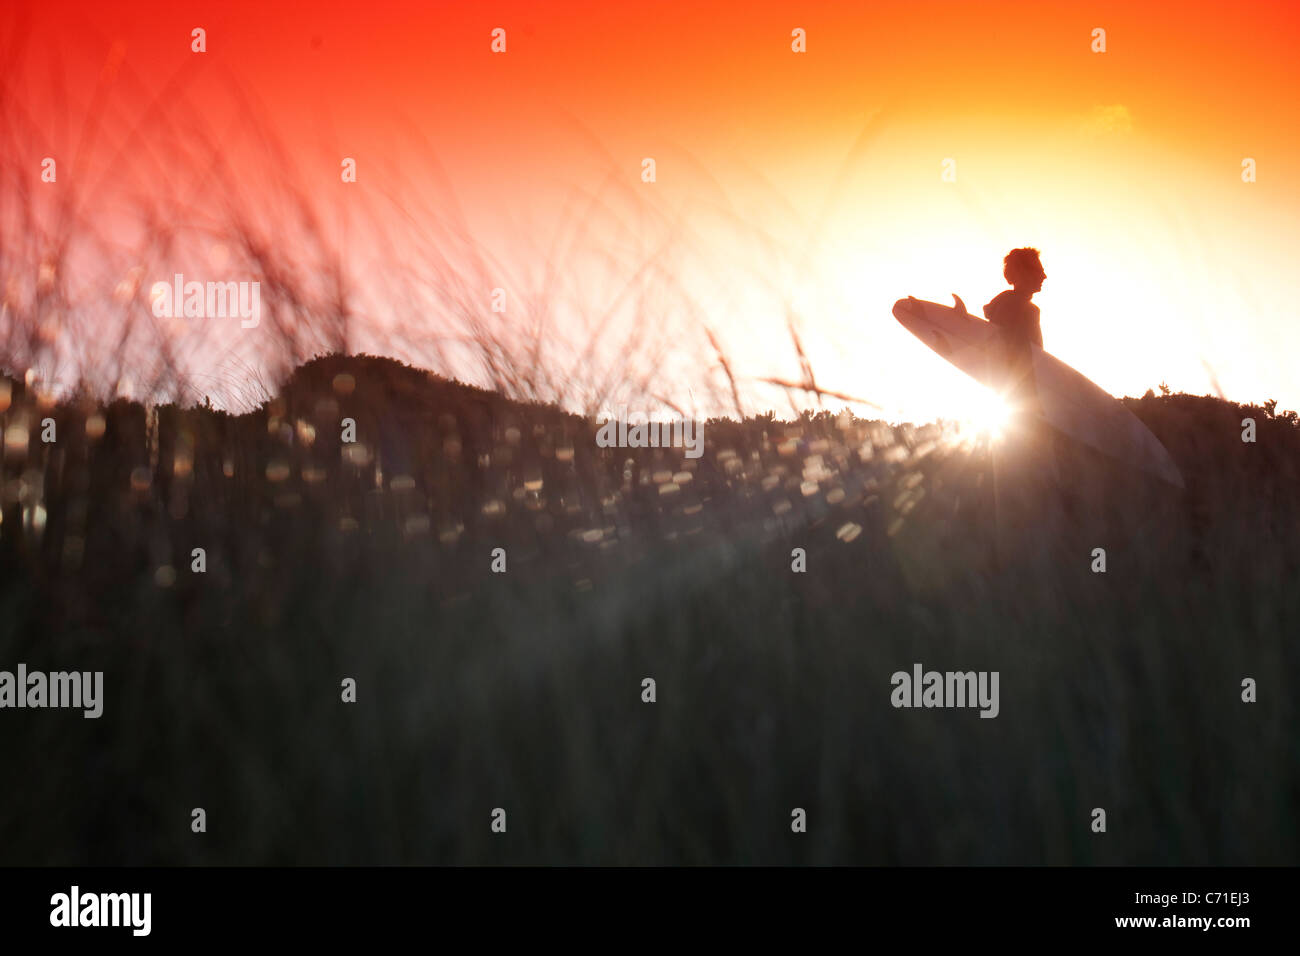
(1016, 315)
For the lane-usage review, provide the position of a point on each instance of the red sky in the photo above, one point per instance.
(804, 180)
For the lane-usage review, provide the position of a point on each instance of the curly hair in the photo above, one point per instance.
(1018, 260)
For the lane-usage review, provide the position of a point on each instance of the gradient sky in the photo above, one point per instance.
(786, 182)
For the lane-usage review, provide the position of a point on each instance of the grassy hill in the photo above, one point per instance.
(372, 560)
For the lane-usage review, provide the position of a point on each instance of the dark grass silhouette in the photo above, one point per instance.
(522, 690)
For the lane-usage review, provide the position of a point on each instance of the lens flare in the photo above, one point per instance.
(988, 414)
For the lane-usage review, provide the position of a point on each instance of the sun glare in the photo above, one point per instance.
(988, 414)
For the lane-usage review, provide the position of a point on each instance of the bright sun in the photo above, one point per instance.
(988, 413)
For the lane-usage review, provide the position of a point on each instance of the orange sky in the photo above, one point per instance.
(804, 179)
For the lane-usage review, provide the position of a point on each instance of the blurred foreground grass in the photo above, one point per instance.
(522, 690)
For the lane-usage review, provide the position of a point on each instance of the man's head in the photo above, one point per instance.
(1023, 270)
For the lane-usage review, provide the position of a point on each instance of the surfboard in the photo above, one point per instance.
(1071, 403)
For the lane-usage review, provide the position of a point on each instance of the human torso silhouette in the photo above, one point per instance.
(1018, 319)
(1017, 316)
